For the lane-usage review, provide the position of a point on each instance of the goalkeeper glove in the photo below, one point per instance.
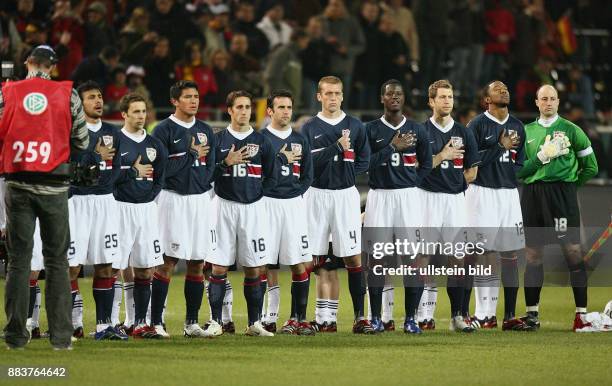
(554, 148)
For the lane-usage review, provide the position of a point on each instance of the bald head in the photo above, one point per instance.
(547, 101)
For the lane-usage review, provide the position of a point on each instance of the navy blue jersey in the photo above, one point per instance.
(390, 169)
(110, 169)
(292, 179)
(245, 182)
(134, 189)
(497, 167)
(448, 176)
(186, 173)
(333, 167)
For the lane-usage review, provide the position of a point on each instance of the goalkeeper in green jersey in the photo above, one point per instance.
(559, 159)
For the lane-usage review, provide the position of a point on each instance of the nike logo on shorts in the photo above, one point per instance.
(177, 140)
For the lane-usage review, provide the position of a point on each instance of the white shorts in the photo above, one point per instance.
(397, 212)
(444, 216)
(38, 263)
(288, 236)
(495, 217)
(335, 212)
(187, 229)
(94, 230)
(242, 231)
(139, 244)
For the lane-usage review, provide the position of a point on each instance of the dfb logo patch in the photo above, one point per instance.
(151, 153)
(252, 149)
(35, 103)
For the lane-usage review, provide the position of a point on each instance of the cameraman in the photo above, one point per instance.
(41, 122)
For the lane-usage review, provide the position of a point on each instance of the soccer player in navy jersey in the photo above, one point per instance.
(246, 167)
(187, 230)
(93, 218)
(288, 238)
(494, 208)
(143, 163)
(340, 151)
(455, 165)
(394, 202)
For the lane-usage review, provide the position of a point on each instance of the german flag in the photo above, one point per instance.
(566, 33)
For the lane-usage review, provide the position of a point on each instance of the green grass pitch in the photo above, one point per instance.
(552, 356)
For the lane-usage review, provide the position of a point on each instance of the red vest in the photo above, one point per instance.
(35, 126)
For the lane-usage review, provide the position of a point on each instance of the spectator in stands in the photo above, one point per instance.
(245, 23)
(366, 79)
(274, 27)
(394, 49)
(406, 26)
(66, 18)
(501, 31)
(580, 91)
(114, 91)
(160, 71)
(303, 10)
(466, 39)
(213, 23)
(245, 69)
(315, 62)
(97, 68)
(219, 61)
(10, 41)
(98, 34)
(25, 16)
(284, 67)
(465, 115)
(192, 68)
(170, 19)
(433, 24)
(136, 40)
(343, 32)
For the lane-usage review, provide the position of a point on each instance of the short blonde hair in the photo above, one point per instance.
(432, 91)
(329, 80)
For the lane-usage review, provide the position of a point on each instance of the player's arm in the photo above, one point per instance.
(362, 151)
(447, 153)
(270, 164)
(177, 162)
(520, 149)
(159, 169)
(321, 156)
(488, 153)
(424, 154)
(587, 163)
(211, 157)
(116, 158)
(306, 171)
(471, 157)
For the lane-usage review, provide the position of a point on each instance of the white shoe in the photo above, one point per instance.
(257, 330)
(213, 329)
(193, 331)
(159, 329)
(29, 327)
(458, 324)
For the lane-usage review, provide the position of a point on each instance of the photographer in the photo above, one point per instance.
(41, 122)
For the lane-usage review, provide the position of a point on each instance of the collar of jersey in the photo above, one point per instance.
(332, 122)
(282, 134)
(548, 122)
(134, 137)
(95, 127)
(491, 117)
(386, 123)
(444, 129)
(187, 125)
(239, 134)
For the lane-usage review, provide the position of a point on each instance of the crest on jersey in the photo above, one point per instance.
(346, 132)
(35, 103)
(203, 139)
(558, 134)
(252, 149)
(107, 140)
(296, 148)
(457, 141)
(151, 153)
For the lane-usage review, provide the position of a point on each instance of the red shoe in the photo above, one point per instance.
(270, 327)
(305, 328)
(145, 332)
(581, 325)
(389, 326)
(427, 324)
(516, 325)
(290, 327)
(78, 332)
(332, 327)
(363, 326)
(229, 328)
(490, 323)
